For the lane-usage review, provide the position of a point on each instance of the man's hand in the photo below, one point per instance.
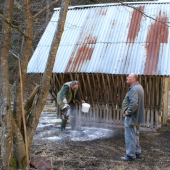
(65, 101)
(82, 101)
(126, 113)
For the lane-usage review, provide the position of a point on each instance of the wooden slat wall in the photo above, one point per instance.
(106, 92)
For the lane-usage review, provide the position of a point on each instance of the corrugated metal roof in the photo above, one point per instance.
(111, 39)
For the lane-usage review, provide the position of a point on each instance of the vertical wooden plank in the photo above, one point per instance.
(156, 119)
(149, 92)
(115, 89)
(119, 98)
(55, 86)
(105, 89)
(80, 85)
(153, 92)
(94, 114)
(148, 118)
(119, 85)
(88, 80)
(98, 112)
(145, 115)
(71, 77)
(121, 115)
(98, 79)
(114, 115)
(95, 90)
(122, 88)
(100, 96)
(61, 77)
(111, 114)
(152, 118)
(127, 86)
(110, 89)
(104, 114)
(157, 91)
(146, 92)
(165, 99)
(117, 115)
(56, 76)
(84, 84)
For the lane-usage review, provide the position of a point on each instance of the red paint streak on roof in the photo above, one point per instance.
(135, 24)
(80, 55)
(102, 11)
(157, 34)
(112, 24)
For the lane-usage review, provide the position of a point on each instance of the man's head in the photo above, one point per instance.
(132, 78)
(74, 85)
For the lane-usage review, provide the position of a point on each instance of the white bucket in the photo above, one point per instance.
(85, 107)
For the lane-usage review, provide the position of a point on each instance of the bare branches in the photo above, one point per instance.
(165, 23)
(13, 26)
(45, 9)
(35, 17)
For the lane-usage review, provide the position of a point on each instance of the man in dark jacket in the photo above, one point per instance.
(68, 95)
(133, 109)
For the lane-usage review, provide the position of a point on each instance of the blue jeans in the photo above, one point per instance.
(131, 138)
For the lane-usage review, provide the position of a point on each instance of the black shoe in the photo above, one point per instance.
(138, 156)
(127, 158)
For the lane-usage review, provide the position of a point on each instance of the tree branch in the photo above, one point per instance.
(45, 9)
(143, 13)
(13, 26)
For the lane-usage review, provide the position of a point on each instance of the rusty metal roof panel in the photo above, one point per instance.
(109, 38)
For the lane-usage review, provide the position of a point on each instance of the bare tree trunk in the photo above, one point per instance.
(24, 59)
(12, 124)
(45, 82)
(28, 22)
(6, 112)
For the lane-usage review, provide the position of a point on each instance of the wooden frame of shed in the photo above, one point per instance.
(105, 93)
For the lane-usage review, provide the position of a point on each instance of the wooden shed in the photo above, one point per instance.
(100, 46)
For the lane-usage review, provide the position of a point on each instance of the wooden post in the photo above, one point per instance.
(152, 118)
(61, 77)
(85, 87)
(58, 81)
(156, 119)
(110, 89)
(95, 87)
(145, 91)
(88, 79)
(165, 99)
(79, 84)
(148, 117)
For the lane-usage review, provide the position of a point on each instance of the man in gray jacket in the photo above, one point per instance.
(133, 109)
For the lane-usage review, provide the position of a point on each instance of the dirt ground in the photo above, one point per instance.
(104, 154)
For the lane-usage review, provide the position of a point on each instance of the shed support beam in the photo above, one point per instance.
(165, 99)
